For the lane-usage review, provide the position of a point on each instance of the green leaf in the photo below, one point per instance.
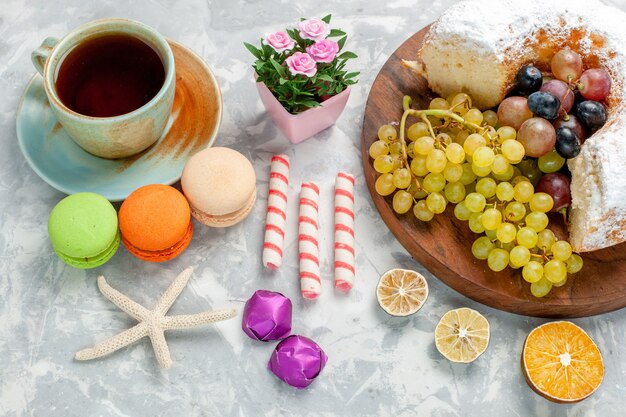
(282, 81)
(335, 33)
(253, 50)
(341, 42)
(279, 68)
(347, 55)
(326, 18)
(324, 77)
(339, 89)
(351, 75)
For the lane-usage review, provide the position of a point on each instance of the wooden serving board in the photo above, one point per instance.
(443, 245)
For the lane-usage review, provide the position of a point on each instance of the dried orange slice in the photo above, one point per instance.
(401, 292)
(561, 363)
(462, 335)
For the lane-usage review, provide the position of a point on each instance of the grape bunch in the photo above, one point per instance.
(456, 154)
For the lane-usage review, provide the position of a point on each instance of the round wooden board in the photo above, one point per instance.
(443, 245)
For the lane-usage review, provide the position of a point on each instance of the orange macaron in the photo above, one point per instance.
(155, 223)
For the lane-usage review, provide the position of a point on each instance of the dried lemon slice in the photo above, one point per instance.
(401, 292)
(462, 335)
(561, 363)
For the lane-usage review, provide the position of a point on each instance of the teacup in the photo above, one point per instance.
(116, 136)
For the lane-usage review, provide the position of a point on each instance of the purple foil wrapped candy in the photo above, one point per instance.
(267, 316)
(297, 360)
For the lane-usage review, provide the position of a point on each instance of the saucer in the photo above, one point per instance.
(193, 126)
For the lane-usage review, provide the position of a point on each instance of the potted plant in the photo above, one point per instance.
(301, 76)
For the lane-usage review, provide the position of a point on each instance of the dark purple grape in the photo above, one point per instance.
(528, 79)
(567, 143)
(573, 123)
(591, 113)
(558, 186)
(544, 104)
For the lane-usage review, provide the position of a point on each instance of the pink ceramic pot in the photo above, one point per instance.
(298, 127)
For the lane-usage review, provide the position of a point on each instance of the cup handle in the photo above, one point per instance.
(41, 54)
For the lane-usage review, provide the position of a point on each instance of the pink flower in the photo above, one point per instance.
(314, 29)
(323, 51)
(301, 63)
(279, 41)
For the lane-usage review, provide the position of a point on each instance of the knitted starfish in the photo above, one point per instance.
(152, 323)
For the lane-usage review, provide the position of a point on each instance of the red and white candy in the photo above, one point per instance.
(344, 232)
(276, 212)
(310, 281)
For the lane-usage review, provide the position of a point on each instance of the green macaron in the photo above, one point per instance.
(83, 230)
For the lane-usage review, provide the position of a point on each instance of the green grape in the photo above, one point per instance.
(545, 239)
(537, 221)
(460, 138)
(555, 270)
(560, 283)
(397, 162)
(444, 138)
(402, 202)
(410, 149)
(492, 218)
(513, 150)
(422, 212)
(481, 247)
(574, 263)
(453, 172)
(489, 133)
(395, 148)
(470, 188)
(561, 250)
(475, 202)
(454, 192)
(416, 190)
(491, 234)
(506, 232)
(417, 130)
(523, 191)
(510, 172)
(507, 246)
(461, 103)
(468, 176)
(384, 184)
(528, 167)
(436, 160)
(418, 165)
(498, 259)
(439, 103)
(379, 148)
(540, 288)
(483, 157)
(481, 171)
(532, 272)
(551, 162)
(486, 187)
(542, 202)
(514, 211)
(473, 142)
(436, 203)
(461, 212)
(474, 115)
(519, 256)
(433, 182)
(402, 178)
(526, 237)
(475, 222)
(424, 145)
(383, 164)
(455, 153)
(490, 117)
(504, 191)
(500, 164)
(506, 132)
(387, 133)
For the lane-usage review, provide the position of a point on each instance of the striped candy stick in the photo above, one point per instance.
(276, 212)
(344, 232)
(310, 282)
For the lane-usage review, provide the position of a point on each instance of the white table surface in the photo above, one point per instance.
(378, 365)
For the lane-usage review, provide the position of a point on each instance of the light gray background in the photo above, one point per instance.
(378, 365)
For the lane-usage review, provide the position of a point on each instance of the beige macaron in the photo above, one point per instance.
(220, 185)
